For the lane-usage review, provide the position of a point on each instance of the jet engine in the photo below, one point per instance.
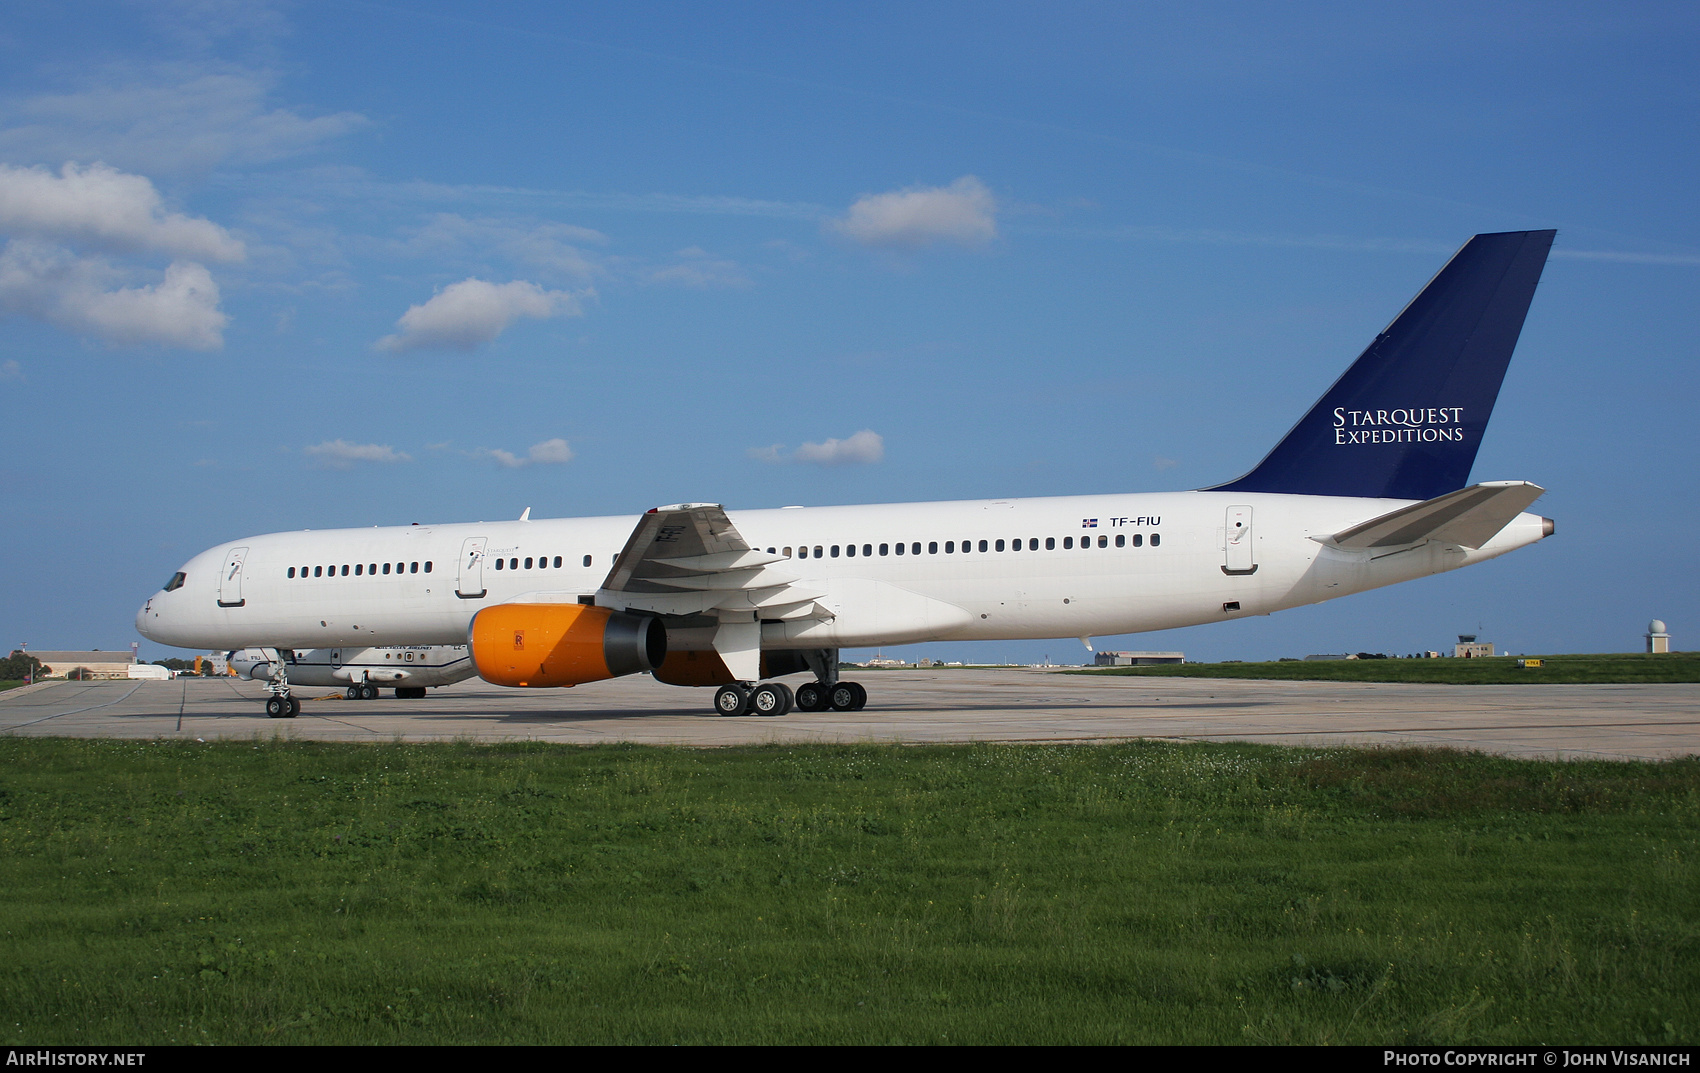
(562, 644)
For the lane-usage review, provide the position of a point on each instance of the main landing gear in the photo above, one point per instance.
(280, 705)
(776, 698)
(361, 691)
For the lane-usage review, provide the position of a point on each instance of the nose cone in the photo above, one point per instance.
(142, 618)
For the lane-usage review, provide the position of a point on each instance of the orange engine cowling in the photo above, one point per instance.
(562, 644)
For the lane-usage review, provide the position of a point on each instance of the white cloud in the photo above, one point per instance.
(75, 293)
(552, 247)
(473, 312)
(961, 213)
(104, 208)
(865, 446)
(697, 268)
(549, 452)
(172, 117)
(340, 454)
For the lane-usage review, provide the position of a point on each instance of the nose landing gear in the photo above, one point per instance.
(280, 705)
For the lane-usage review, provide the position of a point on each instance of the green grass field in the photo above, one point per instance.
(158, 892)
(1495, 670)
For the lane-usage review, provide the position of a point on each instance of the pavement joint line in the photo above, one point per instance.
(79, 711)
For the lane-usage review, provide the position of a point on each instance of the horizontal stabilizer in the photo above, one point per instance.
(1469, 517)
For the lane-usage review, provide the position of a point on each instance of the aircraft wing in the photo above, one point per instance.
(1469, 517)
(690, 559)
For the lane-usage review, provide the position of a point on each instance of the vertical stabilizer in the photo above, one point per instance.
(1406, 419)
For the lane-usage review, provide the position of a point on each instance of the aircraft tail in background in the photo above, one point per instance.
(1406, 420)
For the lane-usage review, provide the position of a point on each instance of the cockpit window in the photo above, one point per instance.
(175, 583)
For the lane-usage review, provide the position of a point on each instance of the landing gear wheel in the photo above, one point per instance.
(732, 699)
(813, 697)
(277, 708)
(368, 691)
(355, 692)
(774, 698)
(848, 697)
(294, 708)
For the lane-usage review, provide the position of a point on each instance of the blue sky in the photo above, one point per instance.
(312, 265)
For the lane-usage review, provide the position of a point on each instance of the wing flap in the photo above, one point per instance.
(689, 559)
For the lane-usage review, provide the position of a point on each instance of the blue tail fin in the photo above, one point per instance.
(1405, 420)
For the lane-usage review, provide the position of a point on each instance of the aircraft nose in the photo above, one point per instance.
(142, 618)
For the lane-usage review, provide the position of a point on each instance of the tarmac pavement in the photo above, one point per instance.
(926, 705)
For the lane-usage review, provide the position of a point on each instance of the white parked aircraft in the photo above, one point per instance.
(1368, 489)
(411, 669)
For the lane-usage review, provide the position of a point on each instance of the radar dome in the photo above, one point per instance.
(1655, 626)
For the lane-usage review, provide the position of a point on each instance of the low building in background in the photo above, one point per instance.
(1469, 648)
(99, 664)
(1331, 655)
(1136, 659)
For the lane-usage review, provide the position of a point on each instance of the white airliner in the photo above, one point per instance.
(1368, 489)
(411, 669)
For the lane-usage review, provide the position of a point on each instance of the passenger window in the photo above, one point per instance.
(1121, 540)
(786, 552)
(803, 551)
(835, 551)
(950, 547)
(501, 564)
(587, 560)
(1156, 539)
(885, 549)
(318, 571)
(359, 569)
(557, 562)
(427, 566)
(528, 562)
(932, 547)
(413, 568)
(817, 551)
(915, 548)
(1138, 539)
(292, 571)
(386, 568)
(344, 569)
(1103, 541)
(850, 551)
(401, 568)
(900, 549)
(1000, 545)
(1068, 543)
(867, 550)
(513, 564)
(1050, 543)
(1033, 544)
(983, 545)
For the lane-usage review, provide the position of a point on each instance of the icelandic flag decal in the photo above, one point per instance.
(1088, 523)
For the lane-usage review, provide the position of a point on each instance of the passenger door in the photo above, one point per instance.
(471, 584)
(1237, 542)
(230, 581)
